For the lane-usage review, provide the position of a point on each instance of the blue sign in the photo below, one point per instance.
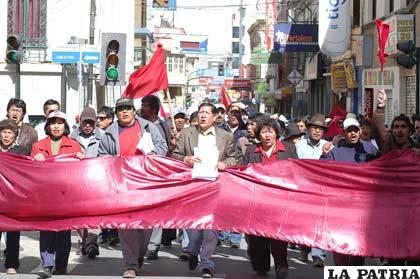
(91, 57)
(65, 57)
(172, 5)
(296, 37)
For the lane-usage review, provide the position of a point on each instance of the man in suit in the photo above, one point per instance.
(205, 135)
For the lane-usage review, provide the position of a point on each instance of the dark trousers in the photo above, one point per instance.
(259, 252)
(12, 250)
(167, 236)
(58, 243)
(341, 259)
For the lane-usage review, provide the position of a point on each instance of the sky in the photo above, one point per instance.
(197, 18)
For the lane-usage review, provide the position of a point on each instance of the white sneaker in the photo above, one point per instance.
(11, 271)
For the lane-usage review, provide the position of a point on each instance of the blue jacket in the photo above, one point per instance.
(361, 152)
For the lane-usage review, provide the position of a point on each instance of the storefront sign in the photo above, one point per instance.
(401, 29)
(271, 13)
(260, 56)
(368, 101)
(237, 83)
(373, 77)
(338, 78)
(205, 81)
(350, 74)
(296, 37)
(334, 26)
(311, 67)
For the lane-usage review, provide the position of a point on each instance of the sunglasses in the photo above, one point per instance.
(101, 118)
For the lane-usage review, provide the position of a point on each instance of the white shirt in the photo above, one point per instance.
(207, 138)
(40, 130)
(306, 150)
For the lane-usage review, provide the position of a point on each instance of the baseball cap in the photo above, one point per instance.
(349, 122)
(178, 110)
(57, 114)
(124, 102)
(88, 114)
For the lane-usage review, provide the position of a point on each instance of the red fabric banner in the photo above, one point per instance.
(224, 98)
(148, 79)
(369, 210)
(383, 33)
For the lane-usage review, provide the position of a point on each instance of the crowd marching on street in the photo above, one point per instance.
(241, 137)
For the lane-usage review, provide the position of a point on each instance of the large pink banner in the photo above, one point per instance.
(368, 209)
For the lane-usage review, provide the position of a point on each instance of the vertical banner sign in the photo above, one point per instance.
(334, 26)
(271, 13)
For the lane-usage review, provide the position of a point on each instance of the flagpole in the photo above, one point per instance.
(168, 96)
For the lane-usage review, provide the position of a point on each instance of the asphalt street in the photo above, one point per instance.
(230, 263)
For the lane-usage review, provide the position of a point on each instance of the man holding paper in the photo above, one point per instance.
(198, 145)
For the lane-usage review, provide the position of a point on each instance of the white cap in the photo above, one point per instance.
(57, 114)
(178, 110)
(351, 122)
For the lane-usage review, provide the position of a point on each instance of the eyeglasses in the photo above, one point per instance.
(101, 118)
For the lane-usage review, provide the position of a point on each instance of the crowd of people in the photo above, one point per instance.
(240, 137)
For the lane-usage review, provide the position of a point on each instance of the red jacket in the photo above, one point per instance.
(67, 146)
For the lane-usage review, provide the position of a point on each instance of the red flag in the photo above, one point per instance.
(224, 98)
(148, 79)
(383, 33)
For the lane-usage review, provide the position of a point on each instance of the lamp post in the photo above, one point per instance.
(187, 85)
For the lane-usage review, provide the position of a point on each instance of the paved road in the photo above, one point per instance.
(230, 263)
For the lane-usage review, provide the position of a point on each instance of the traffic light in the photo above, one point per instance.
(408, 59)
(113, 59)
(221, 70)
(14, 51)
(187, 100)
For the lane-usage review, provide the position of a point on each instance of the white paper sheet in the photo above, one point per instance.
(207, 169)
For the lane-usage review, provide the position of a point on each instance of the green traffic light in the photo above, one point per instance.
(12, 57)
(112, 74)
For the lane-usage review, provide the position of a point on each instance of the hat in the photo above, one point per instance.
(318, 120)
(292, 130)
(349, 122)
(124, 102)
(178, 110)
(88, 114)
(57, 114)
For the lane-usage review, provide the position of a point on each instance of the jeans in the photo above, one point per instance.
(207, 241)
(234, 238)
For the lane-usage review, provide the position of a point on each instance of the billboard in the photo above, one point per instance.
(334, 26)
(296, 37)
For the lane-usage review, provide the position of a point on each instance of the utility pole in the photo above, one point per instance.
(91, 42)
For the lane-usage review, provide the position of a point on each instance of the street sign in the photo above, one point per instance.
(294, 77)
(65, 57)
(91, 57)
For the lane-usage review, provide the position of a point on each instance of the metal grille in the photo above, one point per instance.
(28, 19)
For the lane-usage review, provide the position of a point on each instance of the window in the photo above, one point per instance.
(391, 6)
(235, 47)
(373, 9)
(28, 19)
(175, 64)
(356, 12)
(235, 32)
(235, 63)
